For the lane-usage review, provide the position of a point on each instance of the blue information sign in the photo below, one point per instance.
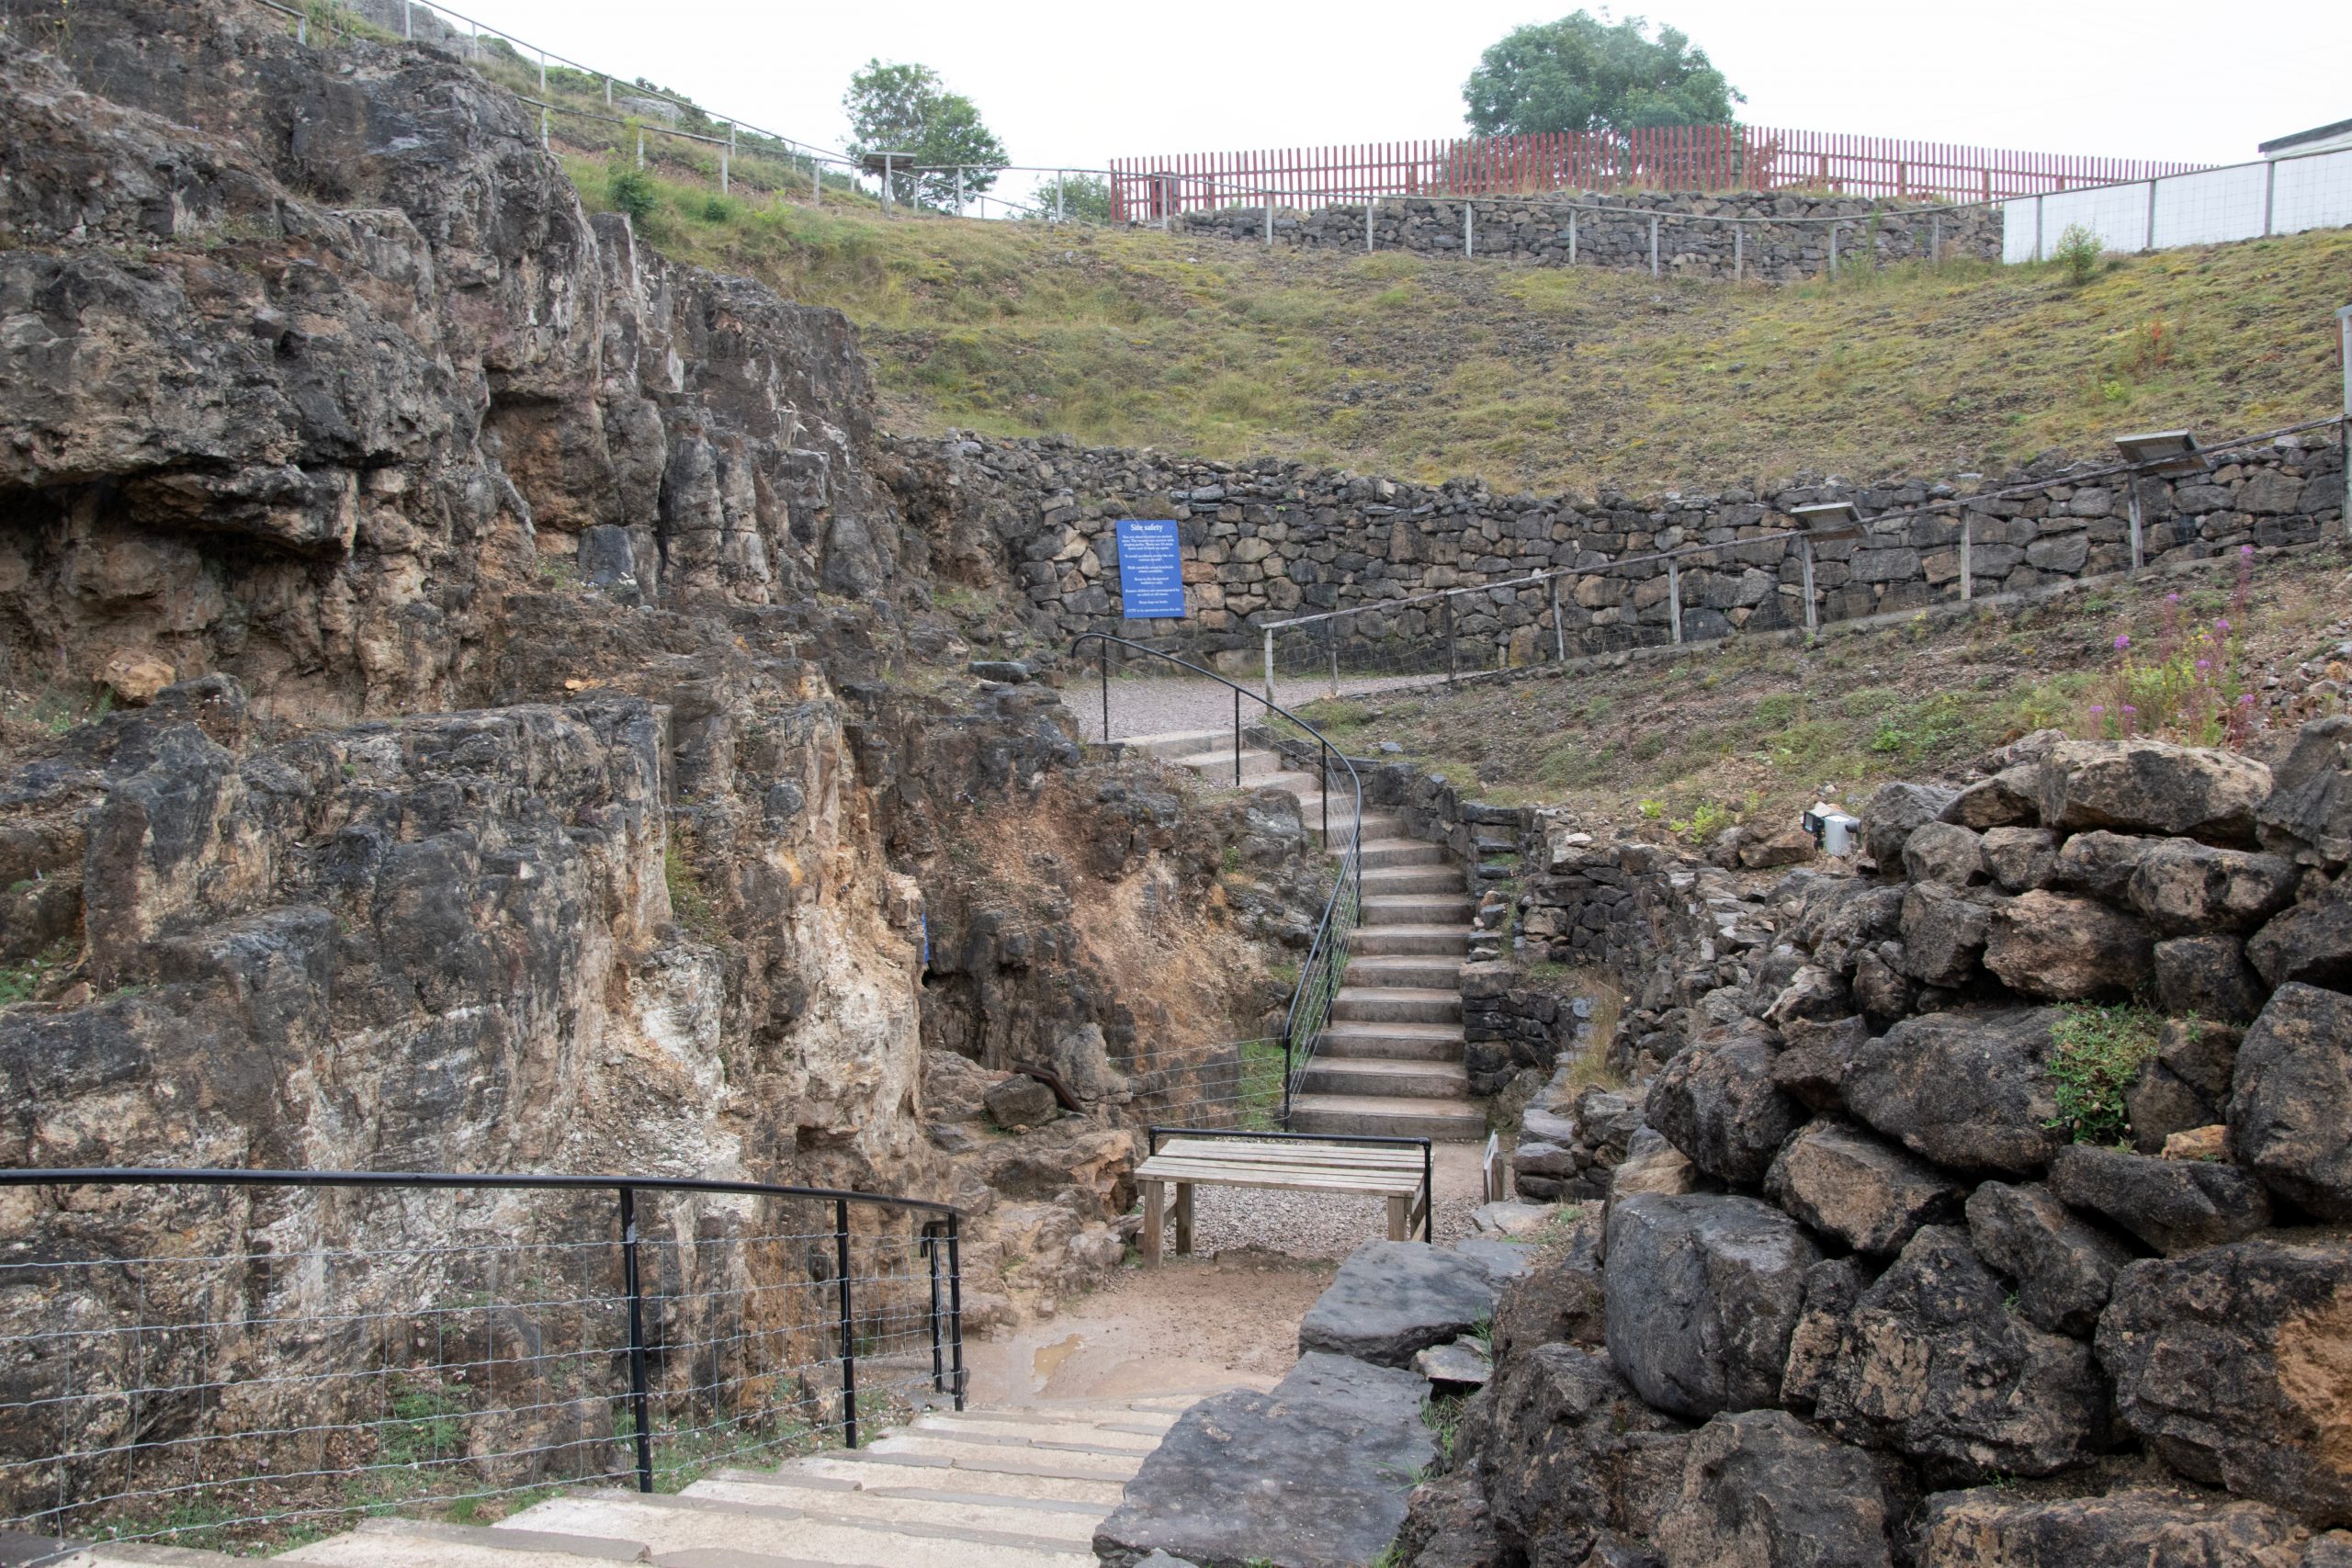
(1151, 570)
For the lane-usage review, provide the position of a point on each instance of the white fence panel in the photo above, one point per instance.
(2314, 193)
(2244, 201)
(2208, 206)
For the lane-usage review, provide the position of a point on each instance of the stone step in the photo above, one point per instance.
(843, 1501)
(1444, 940)
(1110, 1417)
(1217, 767)
(1394, 879)
(1178, 742)
(1448, 1121)
(1396, 1004)
(1027, 1439)
(974, 1456)
(1415, 909)
(1384, 1077)
(1411, 971)
(1381, 854)
(674, 1526)
(1376, 827)
(1391, 1041)
(422, 1543)
(1009, 1479)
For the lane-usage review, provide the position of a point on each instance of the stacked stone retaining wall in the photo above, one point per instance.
(1272, 539)
(1776, 236)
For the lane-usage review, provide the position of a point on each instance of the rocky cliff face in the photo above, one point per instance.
(1989, 1211)
(503, 771)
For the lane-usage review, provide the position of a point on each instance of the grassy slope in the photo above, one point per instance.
(1742, 730)
(1531, 377)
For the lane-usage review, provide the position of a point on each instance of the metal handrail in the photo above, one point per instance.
(946, 1334)
(1326, 957)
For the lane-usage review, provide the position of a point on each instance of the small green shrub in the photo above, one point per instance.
(633, 192)
(2078, 253)
(2096, 1053)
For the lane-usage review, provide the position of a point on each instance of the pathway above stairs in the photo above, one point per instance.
(1389, 1064)
(982, 1489)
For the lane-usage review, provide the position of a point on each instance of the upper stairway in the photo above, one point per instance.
(1389, 1061)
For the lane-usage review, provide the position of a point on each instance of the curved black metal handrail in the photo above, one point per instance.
(947, 1329)
(1326, 956)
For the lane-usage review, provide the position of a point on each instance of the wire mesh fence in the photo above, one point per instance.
(251, 1364)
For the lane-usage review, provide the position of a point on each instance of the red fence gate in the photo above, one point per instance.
(1662, 158)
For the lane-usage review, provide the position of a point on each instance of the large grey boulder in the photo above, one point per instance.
(2063, 1268)
(1943, 934)
(1716, 1102)
(2309, 814)
(1703, 1291)
(1934, 1364)
(1944, 852)
(2231, 1364)
(1765, 1488)
(2100, 863)
(1849, 1185)
(2206, 976)
(1559, 1298)
(2310, 943)
(2290, 1104)
(2174, 1205)
(2010, 798)
(1965, 1090)
(2152, 786)
(1992, 1527)
(1570, 1453)
(2183, 887)
(1893, 812)
(1312, 1474)
(2057, 947)
(1392, 1299)
(2021, 859)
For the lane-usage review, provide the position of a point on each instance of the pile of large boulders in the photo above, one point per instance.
(1867, 1287)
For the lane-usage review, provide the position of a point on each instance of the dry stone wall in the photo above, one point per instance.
(1778, 236)
(1271, 539)
(1902, 1221)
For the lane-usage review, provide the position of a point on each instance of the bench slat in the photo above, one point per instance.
(1176, 1169)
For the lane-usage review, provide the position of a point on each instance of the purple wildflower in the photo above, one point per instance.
(2246, 701)
(2222, 627)
(2129, 708)
(2204, 664)
(2245, 552)
(2122, 641)
(2099, 707)
(2172, 598)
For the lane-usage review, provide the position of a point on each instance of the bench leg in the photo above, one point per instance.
(1183, 1219)
(1400, 1219)
(1155, 1195)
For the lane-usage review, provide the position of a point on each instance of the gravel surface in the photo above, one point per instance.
(1325, 1224)
(1156, 705)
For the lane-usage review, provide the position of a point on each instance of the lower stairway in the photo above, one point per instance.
(1390, 1062)
(977, 1489)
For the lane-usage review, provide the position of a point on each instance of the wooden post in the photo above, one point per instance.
(1183, 1219)
(1154, 1196)
(1400, 1219)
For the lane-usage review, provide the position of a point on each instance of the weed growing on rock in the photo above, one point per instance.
(2096, 1052)
(2189, 686)
(2078, 253)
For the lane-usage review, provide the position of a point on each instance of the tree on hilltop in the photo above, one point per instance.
(906, 108)
(1584, 73)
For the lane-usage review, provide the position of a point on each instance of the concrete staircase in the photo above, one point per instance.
(1390, 1061)
(982, 1489)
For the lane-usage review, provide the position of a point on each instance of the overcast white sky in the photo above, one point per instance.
(1077, 84)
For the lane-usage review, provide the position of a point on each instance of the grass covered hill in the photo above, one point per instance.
(1533, 379)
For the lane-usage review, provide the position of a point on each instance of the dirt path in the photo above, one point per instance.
(1227, 1315)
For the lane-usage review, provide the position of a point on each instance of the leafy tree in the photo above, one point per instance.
(1085, 197)
(1582, 73)
(906, 108)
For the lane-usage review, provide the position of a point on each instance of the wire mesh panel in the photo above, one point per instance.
(248, 1367)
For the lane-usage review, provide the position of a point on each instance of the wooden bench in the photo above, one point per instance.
(1397, 1173)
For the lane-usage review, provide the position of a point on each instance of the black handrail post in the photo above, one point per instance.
(1428, 1197)
(1106, 692)
(1327, 797)
(955, 1300)
(1286, 1072)
(938, 1349)
(640, 1401)
(1452, 654)
(1236, 738)
(849, 1327)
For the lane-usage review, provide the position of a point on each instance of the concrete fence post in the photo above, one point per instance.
(2131, 509)
(1967, 544)
(1935, 240)
(1832, 251)
(1572, 236)
(408, 18)
(959, 190)
(546, 136)
(1469, 242)
(1270, 220)
(1739, 252)
(1057, 195)
(1674, 600)
(1559, 627)
(608, 92)
(2270, 194)
(1368, 225)
(641, 146)
(1812, 612)
(1270, 664)
(1653, 244)
(2152, 216)
(543, 71)
(2038, 208)
(723, 161)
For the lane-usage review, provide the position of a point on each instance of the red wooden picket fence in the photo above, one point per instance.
(1662, 158)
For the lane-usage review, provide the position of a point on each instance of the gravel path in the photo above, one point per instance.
(1152, 704)
(1327, 1225)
